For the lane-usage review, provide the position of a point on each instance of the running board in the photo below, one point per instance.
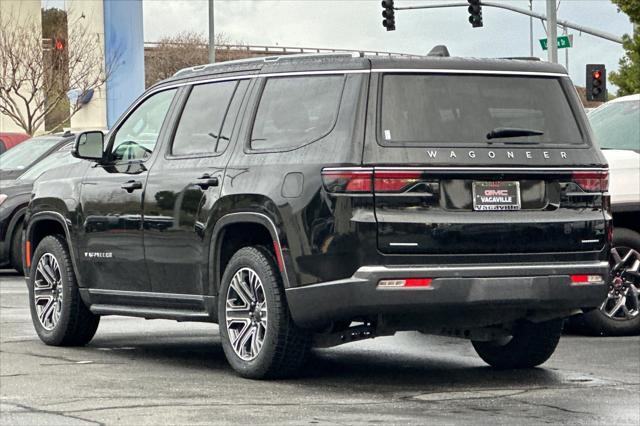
(151, 313)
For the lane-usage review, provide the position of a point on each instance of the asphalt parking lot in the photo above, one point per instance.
(163, 372)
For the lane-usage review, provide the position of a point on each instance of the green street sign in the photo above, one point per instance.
(564, 42)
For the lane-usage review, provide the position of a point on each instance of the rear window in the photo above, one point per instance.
(295, 111)
(464, 109)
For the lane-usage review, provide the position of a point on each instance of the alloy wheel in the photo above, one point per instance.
(47, 291)
(246, 314)
(622, 301)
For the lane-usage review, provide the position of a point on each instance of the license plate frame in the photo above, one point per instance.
(496, 195)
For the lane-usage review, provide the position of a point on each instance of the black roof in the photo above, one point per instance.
(327, 62)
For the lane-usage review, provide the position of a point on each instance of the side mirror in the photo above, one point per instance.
(89, 145)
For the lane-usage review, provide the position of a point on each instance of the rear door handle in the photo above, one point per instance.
(132, 185)
(205, 181)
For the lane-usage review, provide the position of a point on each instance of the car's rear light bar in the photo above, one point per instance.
(365, 180)
(394, 181)
(592, 181)
(405, 283)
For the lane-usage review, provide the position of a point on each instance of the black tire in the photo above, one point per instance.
(285, 346)
(595, 322)
(16, 248)
(531, 345)
(76, 325)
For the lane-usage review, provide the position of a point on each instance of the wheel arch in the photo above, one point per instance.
(41, 225)
(259, 226)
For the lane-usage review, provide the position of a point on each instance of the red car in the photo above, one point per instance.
(9, 140)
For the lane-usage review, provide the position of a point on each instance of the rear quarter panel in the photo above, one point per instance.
(318, 233)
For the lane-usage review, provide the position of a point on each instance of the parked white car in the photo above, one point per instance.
(616, 125)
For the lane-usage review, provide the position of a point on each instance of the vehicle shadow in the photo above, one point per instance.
(348, 368)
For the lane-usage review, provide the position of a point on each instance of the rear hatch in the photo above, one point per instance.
(465, 164)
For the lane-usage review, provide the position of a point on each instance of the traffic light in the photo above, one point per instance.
(596, 82)
(389, 21)
(59, 44)
(475, 13)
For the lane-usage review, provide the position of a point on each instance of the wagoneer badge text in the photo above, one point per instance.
(432, 153)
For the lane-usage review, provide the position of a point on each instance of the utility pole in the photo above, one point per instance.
(552, 31)
(566, 51)
(212, 35)
(531, 29)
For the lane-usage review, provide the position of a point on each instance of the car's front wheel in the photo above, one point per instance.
(58, 313)
(259, 337)
(530, 345)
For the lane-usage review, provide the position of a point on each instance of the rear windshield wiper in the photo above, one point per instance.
(510, 132)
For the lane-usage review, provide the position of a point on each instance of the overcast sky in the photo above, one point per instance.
(356, 24)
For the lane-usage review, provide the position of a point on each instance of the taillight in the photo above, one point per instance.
(367, 181)
(592, 181)
(347, 181)
(394, 181)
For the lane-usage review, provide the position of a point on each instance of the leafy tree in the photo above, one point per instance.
(627, 78)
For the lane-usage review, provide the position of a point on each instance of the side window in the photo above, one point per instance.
(232, 114)
(294, 111)
(137, 136)
(201, 120)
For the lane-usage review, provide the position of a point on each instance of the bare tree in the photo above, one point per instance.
(29, 90)
(185, 49)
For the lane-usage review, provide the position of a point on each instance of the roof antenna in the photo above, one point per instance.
(440, 50)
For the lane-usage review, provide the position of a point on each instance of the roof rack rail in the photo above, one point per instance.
(439, 50)
(522, 58)
(274, 58)
(313, 55)
(205, 66)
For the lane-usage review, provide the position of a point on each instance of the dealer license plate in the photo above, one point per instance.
(496, 195)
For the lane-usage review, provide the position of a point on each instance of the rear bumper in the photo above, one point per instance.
(456, 289)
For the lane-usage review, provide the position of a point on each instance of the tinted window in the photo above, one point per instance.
(232, 114)
(137, 136)
(465, 108)
(202, 117)
(21, 156)
(617, 125)
(294, 111)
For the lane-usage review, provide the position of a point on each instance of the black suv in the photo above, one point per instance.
(317, 200)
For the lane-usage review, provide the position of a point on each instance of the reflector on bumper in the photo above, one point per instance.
(586, 279)
(406, 282)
